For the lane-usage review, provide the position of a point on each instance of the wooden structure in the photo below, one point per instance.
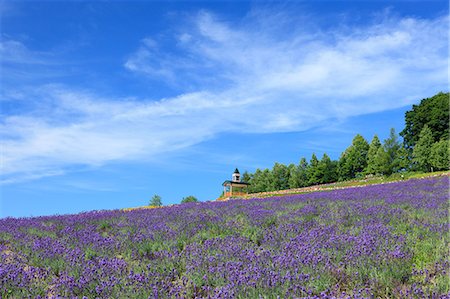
(235, 187)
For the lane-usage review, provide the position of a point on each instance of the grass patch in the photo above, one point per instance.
(41, 233)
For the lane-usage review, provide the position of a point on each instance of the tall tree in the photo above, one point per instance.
(440, 153)
(294, 176)
(354, 159)
(155, 201)
(392, 148)
(433, 112)
(381, 163)
(422, 150)
(344, 167)
(313, 173)
(280, 176)
(303, 172)
(257, 183)
(326, 170)
(372, 166)
(403, 161)
(246, 177)
(267, 179)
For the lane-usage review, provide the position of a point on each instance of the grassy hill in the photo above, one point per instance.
(382, 241)
(374, 180)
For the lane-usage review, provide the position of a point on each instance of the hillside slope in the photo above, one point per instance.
(376, 180)
(383, 241)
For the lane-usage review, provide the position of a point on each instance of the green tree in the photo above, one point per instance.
(326, 170)
(280, 176)
(392, 148)
(313, 171)
(303, 172)
(261, 181)
(246, 177)
(344, 167)
(353, 160)
(403, 161)
(299, 174)
(189, 198)
(255, 182)
(440, 153)
(358, 154)
(268, 180)
(422, 150)
(433, 112)
(381, 163)
(372, 166)
(156, 201)
(294, 176)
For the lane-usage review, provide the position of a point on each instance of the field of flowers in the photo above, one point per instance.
(379, 241)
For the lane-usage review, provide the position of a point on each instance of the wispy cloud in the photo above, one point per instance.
(234, 78)
(20, 66)
(301, 77)
(353, 62)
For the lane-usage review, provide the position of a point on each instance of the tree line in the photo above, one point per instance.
(424, 148)
(156, 200)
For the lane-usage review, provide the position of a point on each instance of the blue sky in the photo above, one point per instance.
(104, 104)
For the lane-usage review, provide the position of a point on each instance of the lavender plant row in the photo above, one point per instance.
(381, 241)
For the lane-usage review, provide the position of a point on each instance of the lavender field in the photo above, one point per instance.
(380, 241)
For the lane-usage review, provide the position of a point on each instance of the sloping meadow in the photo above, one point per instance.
(383, 241)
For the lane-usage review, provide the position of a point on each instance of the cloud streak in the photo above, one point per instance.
(244, 78)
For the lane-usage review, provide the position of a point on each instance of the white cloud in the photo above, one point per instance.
(247, 80)
(382, 58)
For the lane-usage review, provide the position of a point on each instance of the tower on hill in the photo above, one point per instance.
(236, 177)
(235, 187)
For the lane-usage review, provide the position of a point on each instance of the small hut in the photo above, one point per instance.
(235, 187)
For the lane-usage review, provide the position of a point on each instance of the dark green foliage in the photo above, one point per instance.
(189, 198)
(388, 158)
(255, 182)
(325, 171)
(372, 163)
(156, 201)
(303, 167)
(433, 112)
(294, 181)
(313, 174)
(299, 175)
(403, 160)
(344, 167)
(381, 161)
(246, 177)
(280, 176)
(422, 150)
(361, 159)
(440, 155)
(354, 160)
(358, 154)
(261, 181)
(392, 148)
